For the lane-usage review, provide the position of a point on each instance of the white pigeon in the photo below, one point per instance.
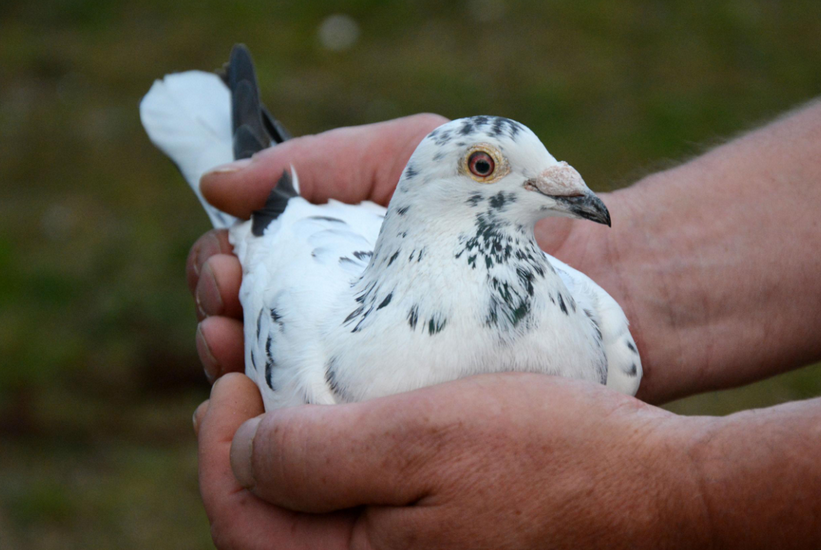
(350, 302)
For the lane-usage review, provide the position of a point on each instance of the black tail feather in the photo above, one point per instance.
(274, 205)
(254, 130)
(276, 130)
(250, 135)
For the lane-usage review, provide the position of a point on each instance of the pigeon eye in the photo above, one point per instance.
(484, 163)
(481, 164)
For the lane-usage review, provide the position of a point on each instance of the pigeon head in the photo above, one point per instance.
(500, 164)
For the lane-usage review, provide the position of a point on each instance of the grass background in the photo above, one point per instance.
(98, 373)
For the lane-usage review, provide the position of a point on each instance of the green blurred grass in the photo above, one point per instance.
(99, 373)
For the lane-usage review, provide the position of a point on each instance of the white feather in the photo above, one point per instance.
(188, 117)
(623, 363)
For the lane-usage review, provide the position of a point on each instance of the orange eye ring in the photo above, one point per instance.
(484, 163)
(481, 164)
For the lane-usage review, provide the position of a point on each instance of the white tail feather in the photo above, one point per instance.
(188, 117)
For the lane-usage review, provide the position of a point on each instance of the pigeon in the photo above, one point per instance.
(345, 303)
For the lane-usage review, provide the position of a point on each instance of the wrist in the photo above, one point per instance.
(677, 513)
(758, 477)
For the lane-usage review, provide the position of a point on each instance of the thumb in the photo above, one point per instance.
(348, 164)
(316, 458)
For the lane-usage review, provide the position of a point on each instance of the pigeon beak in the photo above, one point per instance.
(587, 206)
(565, 185)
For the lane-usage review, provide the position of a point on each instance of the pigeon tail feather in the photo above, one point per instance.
(254, 129)
(274, 205)
(187, 116)
(202, 120)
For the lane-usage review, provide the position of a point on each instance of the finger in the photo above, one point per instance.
(213, 242)
(348, 164)
(239, 519)
(220, 345)
(234, 399)
(317, 458)
(218, 287)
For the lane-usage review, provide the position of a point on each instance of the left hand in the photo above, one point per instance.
(493, 461)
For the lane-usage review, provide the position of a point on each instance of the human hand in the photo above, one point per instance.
(495, 461)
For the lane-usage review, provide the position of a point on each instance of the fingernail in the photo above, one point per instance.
(209, 247)
(200, 312)
(209, 301)
(242, 449)
(195, 253)
(229, 168)
(209, 363)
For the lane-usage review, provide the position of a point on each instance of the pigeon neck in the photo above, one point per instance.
(451, 240)
(435, 269)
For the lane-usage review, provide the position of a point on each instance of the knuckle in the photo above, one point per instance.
(281, 457)
(297, 147)
(270, 440)
(433, 443)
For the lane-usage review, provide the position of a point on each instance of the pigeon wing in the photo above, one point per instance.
(292, 274)
(623, 362)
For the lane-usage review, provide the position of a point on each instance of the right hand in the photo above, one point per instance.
(490, 461)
